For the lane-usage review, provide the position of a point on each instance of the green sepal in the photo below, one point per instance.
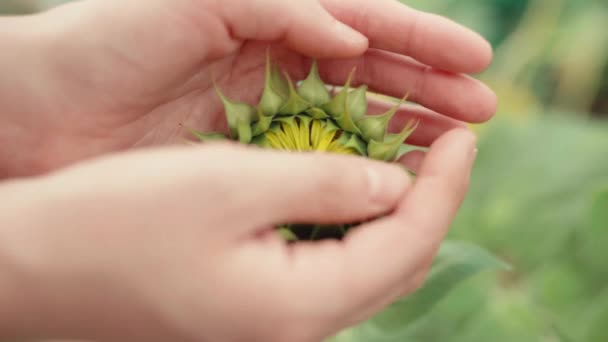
(338, 108)
(289, 120)
(317, 113)
(405, 149)
(313, 89)
(304, 125)
(260, 141)
(357, 102)
(410, 172)
(354, 142)
(275, 126)
(295, 104)
(338, 105)
(202, 136)
(262, 124)
(287, 234)
(346, 123)
(238, 115)
(330, 126)
(272, 100)
(304, 120)
(374, 127)
(244, 132)
(389, 149)
(278, 82)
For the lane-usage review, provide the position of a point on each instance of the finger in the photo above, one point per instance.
(442, 183)
(417, 279)
(376, 258)
(305, 26)
(431, 125)
(430, 205)
(413, 160)
(454, 95)
(269, 187)
(429, 38)
(458, 96)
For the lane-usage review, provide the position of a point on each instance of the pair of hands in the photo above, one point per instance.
(175, 243)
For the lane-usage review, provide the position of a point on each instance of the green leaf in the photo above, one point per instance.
(599, 213)
(455, 262)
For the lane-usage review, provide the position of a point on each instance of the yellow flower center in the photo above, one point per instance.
(307, 135)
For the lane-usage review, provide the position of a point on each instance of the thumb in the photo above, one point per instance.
(304, 26)
(271, 187)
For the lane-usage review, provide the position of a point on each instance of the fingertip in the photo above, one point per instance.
(474, 53)
(480, 53)
(355, 43)
(466, 138)
(387, 184)
(323, 36)
(481, 103)
(486, 55)
(487, 104)
(413, 160)
(450, 156)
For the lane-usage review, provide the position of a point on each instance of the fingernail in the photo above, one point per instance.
(387, 184)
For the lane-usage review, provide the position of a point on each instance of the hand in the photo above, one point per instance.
(176, 244)
(112, 75)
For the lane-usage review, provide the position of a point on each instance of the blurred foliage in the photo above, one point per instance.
(539, 201)
(549, 54)
(539, 192)
(17, 6)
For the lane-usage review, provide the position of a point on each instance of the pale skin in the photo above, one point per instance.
(107, 235)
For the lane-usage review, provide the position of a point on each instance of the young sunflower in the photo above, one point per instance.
(305, 117)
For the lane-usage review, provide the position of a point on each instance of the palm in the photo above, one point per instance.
(147, 93)
(240, 76)
(113, 123)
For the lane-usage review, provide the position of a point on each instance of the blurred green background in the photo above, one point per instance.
(539, 196)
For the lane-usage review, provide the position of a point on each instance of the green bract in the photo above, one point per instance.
(306, 117)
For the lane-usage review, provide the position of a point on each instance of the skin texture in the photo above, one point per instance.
(103, 88)
(105, 237)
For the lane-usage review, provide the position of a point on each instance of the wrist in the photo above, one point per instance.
(51, 287)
